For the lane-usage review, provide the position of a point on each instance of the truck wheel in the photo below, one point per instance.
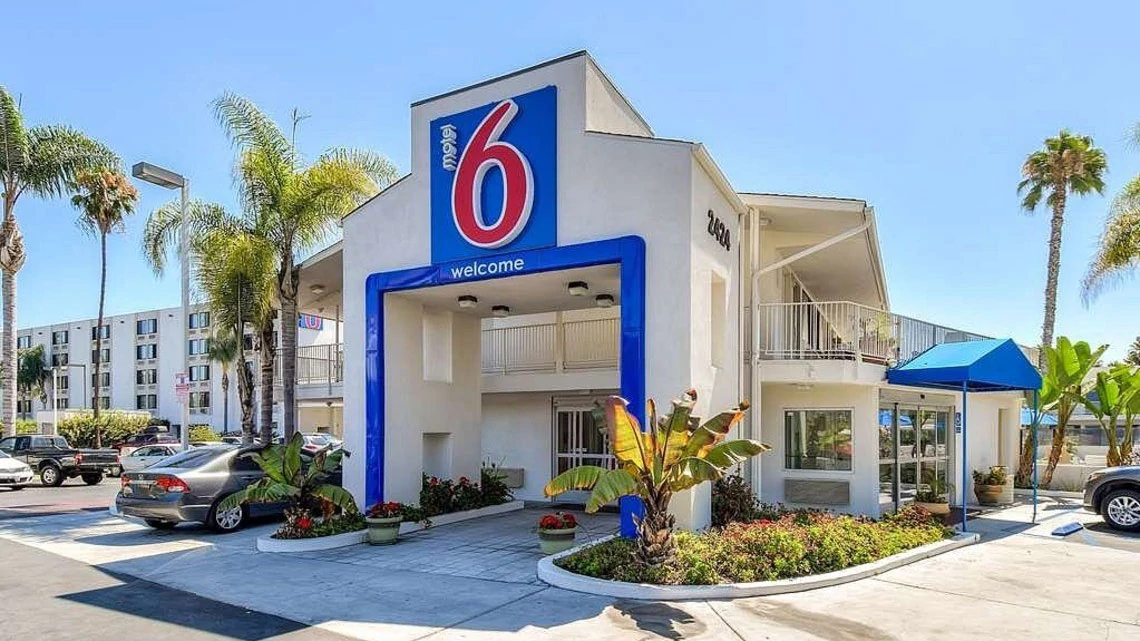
(51, 475)
(228, 521)
(160, 525)
(1122, 510)
(94, 478)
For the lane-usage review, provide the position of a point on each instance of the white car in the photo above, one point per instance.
(14, 473)
(146, 456)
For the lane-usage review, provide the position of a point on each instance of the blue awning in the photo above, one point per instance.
(994, 365)
(1048, 419)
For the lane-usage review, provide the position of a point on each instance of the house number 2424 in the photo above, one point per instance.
(719, 231)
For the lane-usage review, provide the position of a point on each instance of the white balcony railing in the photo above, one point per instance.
(848, 331)
(319, 364)
(551, 347)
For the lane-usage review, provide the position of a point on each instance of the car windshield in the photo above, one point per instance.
(193, 458)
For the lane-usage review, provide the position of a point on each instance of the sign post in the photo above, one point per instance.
(182, 393)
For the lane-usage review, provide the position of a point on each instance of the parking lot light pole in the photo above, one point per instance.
(170, 180)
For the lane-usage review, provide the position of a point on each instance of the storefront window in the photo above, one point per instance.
(817, 439)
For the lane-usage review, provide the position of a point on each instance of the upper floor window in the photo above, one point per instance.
(103, 378)
(200, 372)
(199, 346)
(199, 400)
(199, 320)
(23, 342)
(104, 355)
(24, 406)
(146, 401)
(148, 350)
(104, 402)
(62, 383)
(247, 342)
(817, 440)
(61, 403)
(146, 326)
(59, 360)
(106, 333)
(146, 376)
(59, 338)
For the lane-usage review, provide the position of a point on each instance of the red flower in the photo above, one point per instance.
(304, 523)
(433, 481)
(550, 522)
(463, 480)
(569, 521)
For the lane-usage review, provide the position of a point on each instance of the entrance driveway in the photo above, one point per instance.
(1018, 584)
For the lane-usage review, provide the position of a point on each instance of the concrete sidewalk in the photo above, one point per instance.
(1010, 587)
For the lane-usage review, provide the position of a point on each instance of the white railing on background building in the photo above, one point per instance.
(848, 331)
(551, 347)
(319, 364)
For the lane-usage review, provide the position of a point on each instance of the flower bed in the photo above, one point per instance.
(785, 544)
(444, 496)
(304, 526)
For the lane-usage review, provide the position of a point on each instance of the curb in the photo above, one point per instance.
(459, 517)
(269, 544)
(559, 578)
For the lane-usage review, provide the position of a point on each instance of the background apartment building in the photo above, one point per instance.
(142, 352)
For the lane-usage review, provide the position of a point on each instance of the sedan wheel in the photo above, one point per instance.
(1122, 510)
(226, 520)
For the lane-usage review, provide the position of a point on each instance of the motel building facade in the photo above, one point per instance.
(547, 250)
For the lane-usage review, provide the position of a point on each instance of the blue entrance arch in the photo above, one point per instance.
(628, 252)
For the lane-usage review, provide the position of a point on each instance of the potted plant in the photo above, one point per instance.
(988, 486)
(556, 532)
(934, 498)
(384, 522)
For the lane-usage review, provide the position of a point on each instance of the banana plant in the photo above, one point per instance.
(1107, 404)
(675, 453)
(287, 478)
(1067, 366)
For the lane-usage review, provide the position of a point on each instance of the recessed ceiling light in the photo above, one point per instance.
(578, 288)
(467, 301)
(317, 289)
(604, 300)
(500, 311)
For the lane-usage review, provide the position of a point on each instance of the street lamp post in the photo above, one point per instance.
(170, 180)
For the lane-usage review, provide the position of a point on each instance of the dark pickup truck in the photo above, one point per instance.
(54, 460)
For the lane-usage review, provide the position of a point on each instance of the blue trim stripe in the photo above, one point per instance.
(628, 252)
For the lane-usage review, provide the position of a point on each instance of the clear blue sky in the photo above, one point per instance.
(926, 113)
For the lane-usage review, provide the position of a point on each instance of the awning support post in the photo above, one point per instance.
(1034, 423)
(965, 390)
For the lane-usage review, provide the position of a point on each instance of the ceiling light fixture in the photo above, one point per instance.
(317, 290)
(578, 288)
(500, 311)
(604, 300)
(467, 301)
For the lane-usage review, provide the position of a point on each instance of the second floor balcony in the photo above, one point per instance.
(552, 347)
(843, 330)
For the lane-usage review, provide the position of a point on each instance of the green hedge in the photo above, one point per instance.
(26, 426)
(203, 433)
(798, 543)
(79, 429)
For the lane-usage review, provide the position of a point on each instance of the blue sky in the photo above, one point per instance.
(927, 113)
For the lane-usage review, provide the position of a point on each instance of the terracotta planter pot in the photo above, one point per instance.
(555, 541)
(938, 509)
(384, 531)
(988, 494)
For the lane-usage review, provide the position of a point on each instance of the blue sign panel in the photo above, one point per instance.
(494, 178)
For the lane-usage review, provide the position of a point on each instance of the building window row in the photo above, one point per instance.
(200, 373)
(103, 354)
(59, 360)
(103, 378)
(145, 351)
(146, 402)
(106, 333)
(146, 377)
(104, 402)
(24, 407)
(146, 326)
(62, 382)
(23, 342)
(199, 320)
(59, 338)
(199, 400)
(199, 346)
(61, 403)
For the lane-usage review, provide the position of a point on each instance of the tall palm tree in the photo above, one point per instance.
(43, 161)
(296, 206)
(106, 197)
(225, 346)
(235, 271)
(1067, 163)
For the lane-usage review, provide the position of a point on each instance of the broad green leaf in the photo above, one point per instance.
(611, 486)
(730, 453)
(693, 470)
(678, 419)
(625, 434)
(291, 463)
(338, 496)
(712, 431)
(582, 477)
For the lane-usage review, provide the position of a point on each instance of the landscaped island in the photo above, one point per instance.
(779, 544)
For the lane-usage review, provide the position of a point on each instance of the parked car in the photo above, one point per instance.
(55, 460)
(189, 486)
(146, 456)
(14, 473)
(317, 441)
(145, 438)
(1114, 493)
(232, 440)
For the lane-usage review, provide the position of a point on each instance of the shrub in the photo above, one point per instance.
(441, 496)
(493, 486)
(79, 428)
(203, 433)
(299, 524)
(733, 501)
(26, 426)
(797, 543)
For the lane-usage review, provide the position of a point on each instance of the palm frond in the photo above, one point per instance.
(1118, 250)
(56, 156)
(13, 138)
(163, 230)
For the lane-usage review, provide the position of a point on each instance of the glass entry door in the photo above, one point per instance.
(914, 452)
(578, 440)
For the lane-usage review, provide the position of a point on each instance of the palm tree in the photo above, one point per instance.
(104, 201)
(1068, 163)
(225, 346)
(34, 374)
(44, 161)
(295, 207)
(234, 270)
(1118, 250)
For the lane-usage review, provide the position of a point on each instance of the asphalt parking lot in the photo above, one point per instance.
(73, 496)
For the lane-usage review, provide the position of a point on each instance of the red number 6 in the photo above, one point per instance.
(480, 155)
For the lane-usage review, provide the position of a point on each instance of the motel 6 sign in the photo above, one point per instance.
(493, 178)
